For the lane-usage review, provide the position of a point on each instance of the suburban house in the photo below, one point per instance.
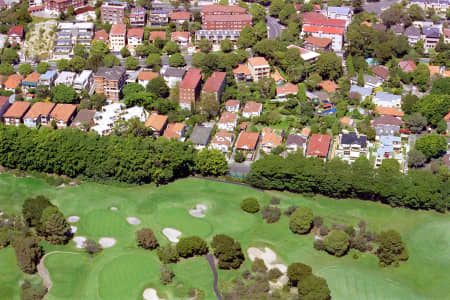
(387, 125)
(328, 86)
(287, 89)
(407, 65)
(31, 81)
(181, 38)
(15, 113)
(39, 113)
(390, 147)
(336, 34)
(387, 99)
(63, 114)
(86, 13)
(135, 37)
(232, 105)
(16, 35)
(179, 17)
(4, 105)
(347, 122)
(145, 77)
(270, 139)
(252, 109)
(13, 82)
(431, 37)
(319, 146)
(392, 111)
(369, 81)
(247, 142)
(157, 123)
(102, 36)
(117, 37)
(158, 17)
(242, 73)
(48, 78)
(307, 55)
(381, 72)
(413, 35)
(227, 121)
(104, 120)
(175, 131)
(84, 119)
(200, 136)
(109, 81)
(351, 146)
(112, 12)
(173, 76)
(190, 88)
(83, 81)
(222, 141)
(295, 143)
(138, 16)
(157, 34)
(356, 91)
(65, 78)
(258, 67)
(215, 84)
(317, 44)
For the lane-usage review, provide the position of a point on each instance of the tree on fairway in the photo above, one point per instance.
(146, 238)
(300, 221)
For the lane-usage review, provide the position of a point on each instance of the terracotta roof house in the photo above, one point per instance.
(135, 38)
(84, 119)
(381, 72)
(39, 113)
(227, 121)
(13, 82)
(4, 105)
(15, 35)
(346, 121)
(232, 105)
(287, 89)
(305, 131)
(181, 38)
(190, 88)
(174, 131)
(270, 140)
(144, 77)
(222, 141)
(328, 86)
(335, 33)
(14, 114)
(407, 65)
(102, 36)
(200, 136)
(252, 109)
(258, 67)
(319, 146)
(392, 111)
(157, 34)
(157, 123)
(180, 16)
(242, 73)
(296, 142)
(63, 114)
(31, 81)
(317, 43)
(215, 84)
(276, 76)
(117, 37)
(386, 125)
(247, 142)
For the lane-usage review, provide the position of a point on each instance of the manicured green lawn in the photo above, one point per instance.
(124, 271)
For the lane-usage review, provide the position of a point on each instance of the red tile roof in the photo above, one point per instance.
(232, 103)
(180, 15)
(179, 34)
(33, 77)
(39, 109)
(319, 145)
(101, 35)
(63, 112)
(223, 137)
(381, 71)
(156, 122)
(84, 9)
(13, 81)
(174, 130)
(447, 32)
(258, 61)
(252, 106)
(312, 15)
(324, 29)
(143, 75)
(288, 88)
(247, 140)
(318, 42)
(447, 117)
(136, 32)
(228, 9)
(272, 138)
(328, 86)
(227, 117)
(407, 65)
(3, 100)
(35, 8)
(214, 82)
(242, 69)
(324, 22)
(118, 29)
(227, 18)
(157, 34)
(191, 80)
(17, 30)
(17, 110)
(392, 111)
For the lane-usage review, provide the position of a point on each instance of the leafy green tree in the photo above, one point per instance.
(6, 69)
(239, 157)
(260, 30)
(30, 292)
(297, 272)
(28, 253)
(25, 69)
(124, 52)
(64, 94)
(92, 247)
(350, 67)
(275, 7)
(228, 251)
(204, 45)
(132, 88)
(421, 76)
(226, 45)
(168, 254)
(392, 15)
(63, 65)
(357, 5)
(408, 102)
(416, 159)
(337, 242)
(110, 60)
(247, 38)
(416, 122)
(177, 60)
(433, 107)
(314, 288)
(191, 246)
(32, 209)
(97, 101)
(286, 12)
(97, 52)
(301, 94)
(153, 60)
(441, 86)
(80, 50)
(361, 78)
(42, 67)
(10, 56)
(146, 239)
(258, 12)
(211, 163)
(250, 205)
(158, 87)
(54, 226)
(167, 275)
(300, 221)
(77, 64)
(208, 105)
(131, 63)
(391, 248)
(171, 47)
(416, 13)
(329, 66)
(432, 145)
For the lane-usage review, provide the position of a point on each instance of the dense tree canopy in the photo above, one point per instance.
(228, 251)
(432, 145)
(211, 163)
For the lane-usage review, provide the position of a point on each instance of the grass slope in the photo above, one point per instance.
(124, 271)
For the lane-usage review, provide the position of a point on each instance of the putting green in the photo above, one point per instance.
(124, 271)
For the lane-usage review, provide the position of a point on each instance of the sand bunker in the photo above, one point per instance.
(73, 229)
(107, 242)
(197, 212)
(79, 240)
(150, 294)
(269, 257)
(73, 219)
(171, 234)
(113, 208)
(133, 221)
(1, 213)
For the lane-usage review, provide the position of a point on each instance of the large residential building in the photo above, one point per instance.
(173, 76)
(65, 78)
(431, 37)
(39, 113)
(68, 34)
(413, 35)
(15, 113)
(48, 78)
(226, 22)
(336, 34)
(317, 43)
(135, 37)
(190, 88)
(216, 36)
(109, 81)
(62, 5)
(210, 10)
(158, 17)
(384, 99)
(138, 16)
(83, 81)
(340, 13)
(113, 12)
(215, 84)
(117, 37)
(351, 146)
(181, 38)
(390, 147)
(242, 73)
(258, 67)
(319, 146)
(179, 17)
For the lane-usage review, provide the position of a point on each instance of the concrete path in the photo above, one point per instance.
(210, 260)
(43, 271)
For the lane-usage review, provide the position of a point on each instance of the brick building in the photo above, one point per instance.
(215, 84)
(226, 22)
(190, 88)
(113, 12)
(109, 81)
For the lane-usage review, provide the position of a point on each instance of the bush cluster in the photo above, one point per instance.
(271, 214)
(250, 205)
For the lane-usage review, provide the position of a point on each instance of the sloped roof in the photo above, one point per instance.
(387, 120)
(288, 88)
(180, 15)
(63, 111)
(39, 109)
(241, 69)
(191, 80)
(101, 35)
(319, 145)
(328, 86)
(144, 75)
(252, 106)
(389, 111)
(17, 110)
(247, 140)
(214, 82)
(318, 42)
(156, 122)
(258, 61)
(157, 34)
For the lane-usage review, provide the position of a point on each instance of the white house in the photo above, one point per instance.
(227, 121)
(252, 109)
(384, 99)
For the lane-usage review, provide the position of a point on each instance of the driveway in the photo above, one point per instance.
(274, 28)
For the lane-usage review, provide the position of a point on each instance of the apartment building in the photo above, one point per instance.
(215, 84)
(16, 35)
(190, 88)
(117, 37)
(210, 10)
(158, 17)
(109, 81)
(135, 37)
(336, 34)
(216, 36)
(138, 16)
(68, 34)
(258, 67)
(62, 5)
(226, 22)
(113, 12)
(83, 81)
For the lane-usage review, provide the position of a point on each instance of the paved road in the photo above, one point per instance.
(274, 28)
(210, 260)
(378, 7)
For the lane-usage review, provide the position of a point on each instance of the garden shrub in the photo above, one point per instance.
(168, 254)
(337, 242)
(191, 246)
(271, 214)
(146, 238)
(301, 220)
(250, 205)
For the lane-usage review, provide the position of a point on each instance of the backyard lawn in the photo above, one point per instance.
(125, 271)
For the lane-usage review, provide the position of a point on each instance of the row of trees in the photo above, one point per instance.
(419, 189)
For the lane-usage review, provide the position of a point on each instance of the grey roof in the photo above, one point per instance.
(114, 73)
(379, 27)
(383, 96)
(412, 31)
(322, 96)
(344, 10)
(84, 115)
(200, 135)
(431, 32)
(174, 72)
(397, 28)
(387, 120)
(372, 79)
(295, 139)
(364, 92)
(352, 138)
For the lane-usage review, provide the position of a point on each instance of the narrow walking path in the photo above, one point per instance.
(43, 271)
(210, 260)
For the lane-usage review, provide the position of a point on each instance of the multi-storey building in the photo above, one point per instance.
(158, 17)
(351, 146)
(113, 12)
(135, 37)
(83, 81)
(216, 36)
(336, 34)
(117, 37)
(62, 5)
(138, 16)
(258, 67)
(215, 84)
(209, 10)
(190, 88)
(109, 81)
(69, 34)
(226, 22)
